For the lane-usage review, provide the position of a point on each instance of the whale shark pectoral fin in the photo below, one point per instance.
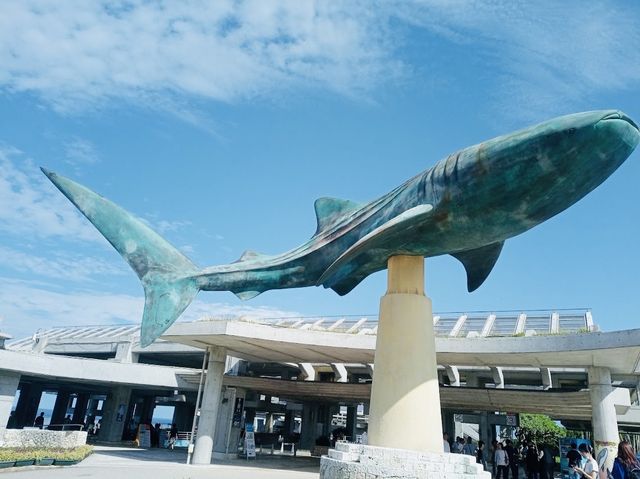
(371, 252)
(347, 284)
(478, 263)
(330, 210)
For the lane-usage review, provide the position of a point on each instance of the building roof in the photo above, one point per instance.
(481, 323)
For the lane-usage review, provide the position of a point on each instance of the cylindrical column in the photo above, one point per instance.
(604, 420)
(211, 395)
(405, 398)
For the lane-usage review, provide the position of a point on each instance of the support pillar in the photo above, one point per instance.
(60, 407)
(114, 414)
(183, 416)
(228, 426)
(352, 423)
(209, 408)
(402, 393)
(80, 411)
(449, 424)
(27, 407)
(309, 427)
(250, 416)
(148, 406)
(604, 420)
(8, 388)
(288, 422)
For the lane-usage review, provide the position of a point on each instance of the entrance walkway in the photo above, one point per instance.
(109, 462)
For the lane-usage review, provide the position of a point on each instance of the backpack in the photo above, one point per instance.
(633, 472)
(630, 472)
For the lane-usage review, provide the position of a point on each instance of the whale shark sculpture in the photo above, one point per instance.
(466, 205)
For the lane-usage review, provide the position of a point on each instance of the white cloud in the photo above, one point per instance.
(59, 265)
(86, 52)
(30, 205)
(77, 54)
(544, 56)
(80, 152)
(27, 306)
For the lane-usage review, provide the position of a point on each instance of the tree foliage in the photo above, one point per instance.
(540, 429)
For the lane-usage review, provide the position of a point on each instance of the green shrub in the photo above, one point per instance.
(15, 454)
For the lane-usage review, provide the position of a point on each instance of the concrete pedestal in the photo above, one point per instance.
(404, 417)
(209, 408)
(604, 420)
(355, 461)
(405, 399)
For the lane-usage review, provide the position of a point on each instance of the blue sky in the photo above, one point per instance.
(220, 124)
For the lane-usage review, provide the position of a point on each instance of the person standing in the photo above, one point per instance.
(173, 435)
(494, 445)
(469, 448)
(626, 465)
(445, 442)
(458, 446)
(501, 460)
(513, 463)
(547, 462)
(480, 459)
(590, 469)
(532, 461)
(39, 422)
(574, 458)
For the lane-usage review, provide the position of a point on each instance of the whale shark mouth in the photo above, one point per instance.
(618, 115)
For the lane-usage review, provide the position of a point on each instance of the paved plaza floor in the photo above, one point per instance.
(114, 462)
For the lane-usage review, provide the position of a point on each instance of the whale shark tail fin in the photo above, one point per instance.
(164, 301)
(166, 274)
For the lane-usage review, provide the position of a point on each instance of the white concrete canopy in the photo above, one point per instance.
(619, 351)
(94, 370)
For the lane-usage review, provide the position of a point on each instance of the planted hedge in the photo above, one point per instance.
(29, 456)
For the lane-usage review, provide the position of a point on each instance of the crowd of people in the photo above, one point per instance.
(538, 462)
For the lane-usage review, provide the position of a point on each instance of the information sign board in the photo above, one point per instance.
(144, 435)
(249, 442)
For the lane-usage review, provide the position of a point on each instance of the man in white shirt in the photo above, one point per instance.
(445, 442)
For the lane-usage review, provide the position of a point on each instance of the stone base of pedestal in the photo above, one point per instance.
(356, 461)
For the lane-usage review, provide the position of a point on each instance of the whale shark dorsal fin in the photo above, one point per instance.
(330, 210)
(250, 254)
(478, 263)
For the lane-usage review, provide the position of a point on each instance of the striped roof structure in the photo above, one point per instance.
(472, 324)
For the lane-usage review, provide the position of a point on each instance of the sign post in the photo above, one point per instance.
(249, 442)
